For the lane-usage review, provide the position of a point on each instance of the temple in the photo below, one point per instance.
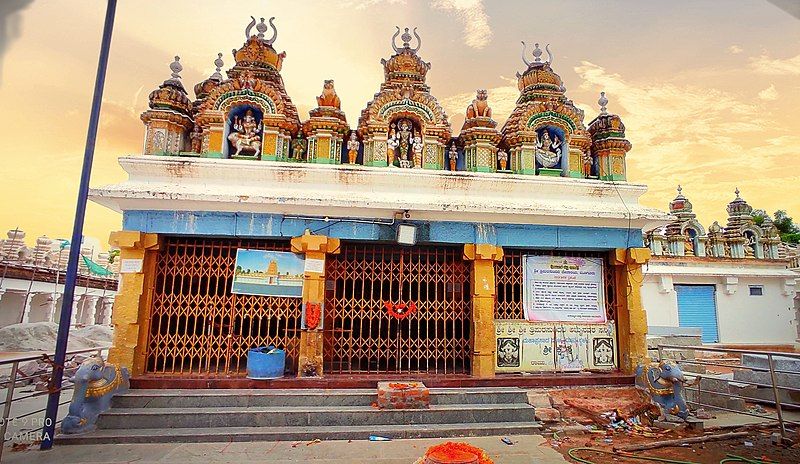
(735, 283)
(486, 253)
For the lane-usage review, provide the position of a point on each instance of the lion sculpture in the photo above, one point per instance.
(329, 97)
(479, 108)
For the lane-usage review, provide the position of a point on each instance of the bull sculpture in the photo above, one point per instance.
(95, 384)
(664, 384)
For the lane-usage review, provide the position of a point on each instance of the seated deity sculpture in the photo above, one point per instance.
(245, 134)
(548, 152)
(329, 97)
(479, 106)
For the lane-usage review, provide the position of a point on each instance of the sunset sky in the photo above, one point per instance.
(709, 90)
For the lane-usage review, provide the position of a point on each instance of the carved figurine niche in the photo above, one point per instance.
(245, 133)
(352, 148)
(329, 97)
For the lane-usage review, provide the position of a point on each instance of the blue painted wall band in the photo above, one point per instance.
(256, 225)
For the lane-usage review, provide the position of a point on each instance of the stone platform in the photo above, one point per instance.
(403, 395)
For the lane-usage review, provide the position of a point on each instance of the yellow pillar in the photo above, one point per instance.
(130, 316)
(315, 247)
(631, 316)
(484, 298)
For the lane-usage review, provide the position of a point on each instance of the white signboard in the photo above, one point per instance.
(315, 265)
(563, 289)
(130, 266)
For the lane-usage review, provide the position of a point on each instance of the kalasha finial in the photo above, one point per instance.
(261, 28)
(176, 68)
(737, 193)
(537, 53)
(680, 189)
(218, 63)
(603, 101)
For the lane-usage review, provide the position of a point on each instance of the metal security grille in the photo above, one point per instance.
(360, 335)
(197, 326)
(510, 279)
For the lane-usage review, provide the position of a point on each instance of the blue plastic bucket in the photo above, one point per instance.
(266, 362)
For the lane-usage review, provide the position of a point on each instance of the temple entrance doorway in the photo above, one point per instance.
(393, 309)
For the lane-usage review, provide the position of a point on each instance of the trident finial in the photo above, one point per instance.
(406, 38)
(176, 68)
(525, 60)
(218, 63)
(603, 101)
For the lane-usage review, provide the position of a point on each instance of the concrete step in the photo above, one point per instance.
(297, 416)
(222, 398)
(348, 432)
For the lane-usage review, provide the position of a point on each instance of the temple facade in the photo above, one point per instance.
(489, 252)
(32, 282)
(736, 283)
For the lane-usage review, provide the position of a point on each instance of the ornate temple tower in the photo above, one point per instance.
(404, 123)
(249, 115)
(326, 128)
(480, 136)
(741, 232)
(609, 145)
(169, 120)
(685, 236)
(545, 132)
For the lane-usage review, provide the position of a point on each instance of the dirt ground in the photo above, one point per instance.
(757, 445)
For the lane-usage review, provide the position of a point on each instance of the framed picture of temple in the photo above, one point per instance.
(268, 273)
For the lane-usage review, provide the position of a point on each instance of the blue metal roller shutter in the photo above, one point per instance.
(697, 307)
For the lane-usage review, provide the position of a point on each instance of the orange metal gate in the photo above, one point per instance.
(361, 336)
(197, 326)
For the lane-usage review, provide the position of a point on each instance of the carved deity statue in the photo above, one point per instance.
(479, 106)
(405, 137)
(352, 148)
(329, 97)
(548, 152)
(502, 158)
(246, 134)
(392, 144)
(417, 148)
(197, 139)
(452, 156)
(586, 160)
(299, 147)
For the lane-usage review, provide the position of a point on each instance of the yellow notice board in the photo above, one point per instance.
(540, 347)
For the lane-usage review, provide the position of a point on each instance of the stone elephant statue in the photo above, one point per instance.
(664, 384)
(95, 384)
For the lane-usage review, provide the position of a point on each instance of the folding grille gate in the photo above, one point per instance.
(361, 335)
(197, 326)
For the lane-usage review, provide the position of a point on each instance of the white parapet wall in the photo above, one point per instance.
(196, 184)
(742, 318)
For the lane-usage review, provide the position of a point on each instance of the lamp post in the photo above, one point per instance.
(51, 413)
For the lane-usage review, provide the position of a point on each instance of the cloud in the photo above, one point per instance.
(776, 67)
(364, 4)
(735, 49)
(769, 93)
(477, 33)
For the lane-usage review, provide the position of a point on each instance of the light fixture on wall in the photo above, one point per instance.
(407, 234)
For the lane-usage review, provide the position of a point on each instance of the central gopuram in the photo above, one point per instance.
(395, 248)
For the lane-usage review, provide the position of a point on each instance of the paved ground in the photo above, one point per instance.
(525, 450)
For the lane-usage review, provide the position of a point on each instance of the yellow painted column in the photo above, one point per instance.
(631, 316)
(130, 316)
(484, 298)
(314, 247)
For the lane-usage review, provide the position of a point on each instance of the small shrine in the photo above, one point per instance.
(392, 247)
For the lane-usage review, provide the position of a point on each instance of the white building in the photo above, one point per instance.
(32, 283)
(733, 282)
